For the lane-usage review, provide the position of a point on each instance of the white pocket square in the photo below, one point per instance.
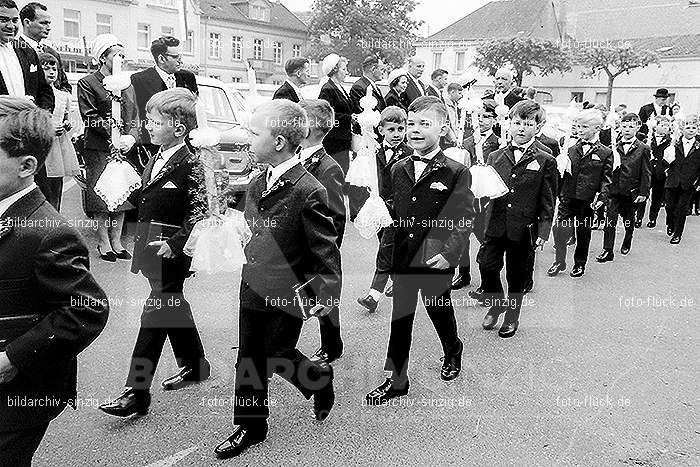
(170, 185)
(534, 165)
(595, 157)
(438, 186)
(32, 68)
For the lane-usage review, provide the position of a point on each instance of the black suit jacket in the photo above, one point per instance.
(341, 132)
(396, 99)
(35, 84)
(182, 205)
(412, 92)
(293, 240)
(328, 172)
(684, 171)
(148, 82)
(286, 91)
(551, 143)
(61, 80)
(432, 91)
(633, 177)
(647, 110)
(528, 208)
(359, 90)
(591, 173)
(384, 166)
(658, 146)
(432, 215)
(511, 98)
(45, 274)
(490, 145)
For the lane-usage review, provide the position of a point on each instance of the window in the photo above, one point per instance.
(237, 48)
(547, 97)
(167, 31)
(71, 23)
(258, 49)
(437, 60)
(236, 79)
(577, 96)
(296, 51)
(459, 61)
(277, 52)
(601, 97)
(276, 82)
(215, 102)
(259, 13)
(214, 45)
(189, 43)
(211, 76)
(143, 36)
(104, 24)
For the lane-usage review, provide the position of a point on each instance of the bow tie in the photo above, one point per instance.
(517, 148)
(425, 160)
(388, 151)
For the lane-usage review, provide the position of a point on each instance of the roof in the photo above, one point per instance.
(237, 11)
(304, 16)
(669, 46)
(504, 19)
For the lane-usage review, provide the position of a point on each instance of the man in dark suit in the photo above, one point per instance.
(416, 88)
(166, 74)
(584, 190)
(683, 178)
(294, 242)
(438, 83)
(327, 171)
(51, 307)
(372, 71)
(504, 90)
(297, 70)
(172, 199)
(630, 186)
(432, 208)
(657, 108)
(659, 141)
(36, 25)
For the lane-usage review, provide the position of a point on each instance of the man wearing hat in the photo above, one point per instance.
(658, 107)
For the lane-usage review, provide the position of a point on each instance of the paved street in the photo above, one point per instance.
(603, 371)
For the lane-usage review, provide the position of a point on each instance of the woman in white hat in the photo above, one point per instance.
(95, 109)
(339, 140)
(398, 82)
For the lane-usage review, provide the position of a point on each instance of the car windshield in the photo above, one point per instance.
(217, 104)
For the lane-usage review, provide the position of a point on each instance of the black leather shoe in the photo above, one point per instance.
(529, 285)
(461, 281)
(625, 249)
(123, 254)
(128, 403)
(491, 319)
(324, 356)
(578, 271)
(110, 256)
(669, 231)
(478, 295)
(324, 398)
(242, 438)
(605, 256)
(452, 365)
(556, 268)
(385, 392)
(651, 224)
(368, 302)
(186, 376)
(508, 329)
(638, 224)
(675, 240)
(389, 292)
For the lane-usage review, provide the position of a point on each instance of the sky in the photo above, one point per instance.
(436, 14)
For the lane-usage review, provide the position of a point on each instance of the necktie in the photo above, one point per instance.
(424, 160)
(268, 178)
(40, 48)
(171, 81)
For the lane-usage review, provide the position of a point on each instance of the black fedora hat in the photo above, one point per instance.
(661, 92)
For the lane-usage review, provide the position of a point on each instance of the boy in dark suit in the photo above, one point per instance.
(520, 221)
(294, 241)
(432, 208)
(297, 70)
(51, 308)
(327, 171)
(658, 141)
(584, 190)
(171, 200)
(630, 185)
(392, 149)
(682, 179)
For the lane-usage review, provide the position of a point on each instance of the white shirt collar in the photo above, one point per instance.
(30, 41)
(688, 142)
(308, 152)
(163, 75)
(274, 173)
(487, 135)
(6, 203)
(431, 154)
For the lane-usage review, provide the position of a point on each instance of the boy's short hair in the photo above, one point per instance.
(527, 110)
(25, 129)
(285, 118)
(160, 45)
(630, 117)
(320, 114)
(177, 103)
(430, 103)
(590, 115)
(454, 87)
(662, 119)
(393, 114)
(438, 73)
(690, 118)
(295, 64)
(47, 59)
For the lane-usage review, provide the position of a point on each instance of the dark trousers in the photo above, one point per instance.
(382, 271)
(329, 326)
(51, 187)
(657, 199)
(268, 337)
(166, 314)
(491, 261)
(434, 288)
(575, 215)
(479, 229)
(677, 203)
(17, 448)
(619, 205)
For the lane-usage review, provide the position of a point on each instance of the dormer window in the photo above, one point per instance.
(260, 12)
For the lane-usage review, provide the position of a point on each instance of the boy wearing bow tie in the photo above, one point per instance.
(172, 199)
(392, 128)
(432, 208)
(630, 185)
(519, 221)
(584, 189)
(659, 141)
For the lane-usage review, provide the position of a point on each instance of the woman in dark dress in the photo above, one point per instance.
(338, 141)
(398, 82)
(96, 109)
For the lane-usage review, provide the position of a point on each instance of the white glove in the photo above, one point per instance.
(126, 142)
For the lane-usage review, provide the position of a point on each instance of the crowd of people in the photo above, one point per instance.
(298, 210)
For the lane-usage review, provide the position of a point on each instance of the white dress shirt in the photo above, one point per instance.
(389, 151)
(6, 203)
(308, 152)
(687, 146)
(162, 158)
(34, 44)
(419, 166)
(518, 150)
(11, 71)
(274, 173)
(168, 79)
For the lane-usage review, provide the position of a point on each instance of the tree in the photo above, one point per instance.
(358, 28)
(613, 59)
(523, 54)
